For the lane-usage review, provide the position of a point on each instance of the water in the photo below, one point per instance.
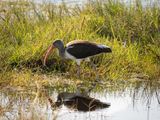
(128, 104)
(82, 2)
(121, 109)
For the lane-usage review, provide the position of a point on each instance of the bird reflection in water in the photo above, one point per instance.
(78, 101)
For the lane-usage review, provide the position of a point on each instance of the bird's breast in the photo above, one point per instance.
(69, 56)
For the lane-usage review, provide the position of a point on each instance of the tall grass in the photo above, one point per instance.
(133, 32)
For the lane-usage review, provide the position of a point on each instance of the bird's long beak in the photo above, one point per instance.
(48, 52)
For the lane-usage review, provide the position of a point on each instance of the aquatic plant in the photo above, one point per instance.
(27, 28)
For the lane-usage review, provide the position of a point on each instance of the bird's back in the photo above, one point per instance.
(82, 49)
(78, 42)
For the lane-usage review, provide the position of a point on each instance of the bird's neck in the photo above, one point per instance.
(61, 51)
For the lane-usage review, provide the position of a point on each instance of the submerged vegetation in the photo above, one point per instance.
(28, 28)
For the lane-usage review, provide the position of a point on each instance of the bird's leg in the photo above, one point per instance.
(96, 81)
(94, 68)
(78, 67)
(78, 71)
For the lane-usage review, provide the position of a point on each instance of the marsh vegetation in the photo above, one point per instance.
(132, 31)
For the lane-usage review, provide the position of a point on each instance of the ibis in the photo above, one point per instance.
(77, 50)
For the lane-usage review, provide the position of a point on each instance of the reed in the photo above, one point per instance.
(27, 28)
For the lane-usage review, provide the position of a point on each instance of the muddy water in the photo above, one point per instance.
(128, 104)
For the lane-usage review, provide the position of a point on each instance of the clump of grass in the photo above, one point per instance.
(27, 28)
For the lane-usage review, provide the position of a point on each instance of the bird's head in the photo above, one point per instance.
(56, 44)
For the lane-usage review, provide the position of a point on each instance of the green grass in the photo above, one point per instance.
(27, 29)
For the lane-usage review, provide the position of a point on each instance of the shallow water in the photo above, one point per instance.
(122, 108)
(82, 2)
(128, 104)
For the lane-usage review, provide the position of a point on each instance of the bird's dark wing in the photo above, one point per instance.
(85, 49)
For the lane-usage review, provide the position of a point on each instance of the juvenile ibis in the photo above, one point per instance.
(77, 50)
